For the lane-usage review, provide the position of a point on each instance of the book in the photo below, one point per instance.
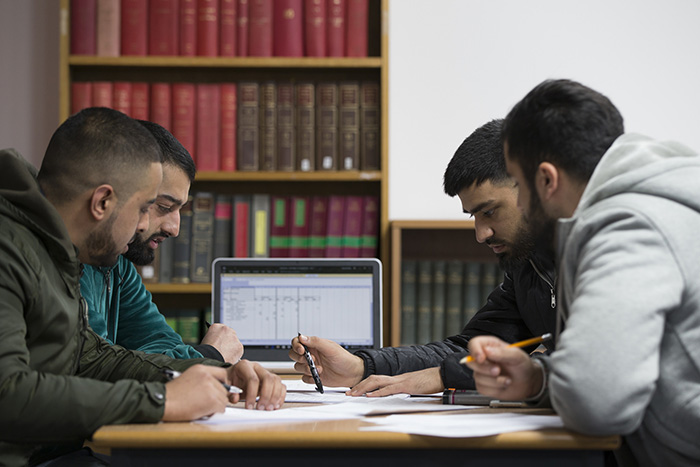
(453, 297)
(326, 126)
(352, 226)
(318, 226)
(335, 33)
(370, 227)
(163, 27)
(184, 122)
(356, 33)
(424, 277)
(268, 126)
(182, 246)
(279, 226)
(227, 28)
(108, 28)
(288, 24)
(260, 28)
(161, 105)
(166, 260)
(134, 27)
(286, 135)
(83, 31)
(80, 96)
(334, 226)
(208, 133)
(121, 97)
(202, 244)
(260, 226)
(438, 300)
(299, 227)
(140, 100)
(189, 326)
(102, 93)
(349, 125)
(315, 12)
(223, 213)
(248, 126)
(241, 226)
(187, 27)
(228, 127)
(472, 295)
(489, 280)
(242, 28)
(369, 125)
(306, 126)
(408, 301)
(208, 28)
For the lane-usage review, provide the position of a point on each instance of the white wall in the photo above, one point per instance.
(455, 64)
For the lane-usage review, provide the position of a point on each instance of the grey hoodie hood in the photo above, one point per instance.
(638, 164)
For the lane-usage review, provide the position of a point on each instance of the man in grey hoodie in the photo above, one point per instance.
(626, 210)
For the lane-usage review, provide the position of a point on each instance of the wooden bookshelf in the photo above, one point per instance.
(233, 69)
(428, 239)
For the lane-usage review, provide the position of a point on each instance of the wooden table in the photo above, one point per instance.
(339, 443)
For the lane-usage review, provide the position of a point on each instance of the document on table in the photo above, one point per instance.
(463, 425)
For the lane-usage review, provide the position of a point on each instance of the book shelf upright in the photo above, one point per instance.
(429, 240)
(173, 69)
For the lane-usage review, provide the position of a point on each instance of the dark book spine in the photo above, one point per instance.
(222, 226)
(472, 294)
(349, 125)
(268, 126)
(408, 301)
(438, 300)
(248, 126)
(424, 331)
(453, 301)
(286, 140)
(182, 246)
(202, 250)
(166, 260)
(369, 126)
(306, 126)
(327, 126)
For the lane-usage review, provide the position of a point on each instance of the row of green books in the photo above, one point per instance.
(190, 323)
(439, 297)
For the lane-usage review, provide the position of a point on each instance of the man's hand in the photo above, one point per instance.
(426, 381)
(336, 366)
(257, 383)
(225, 340)
(501, 371)
(197, 393)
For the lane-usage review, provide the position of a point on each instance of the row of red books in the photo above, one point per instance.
(251, 126)
(226, 28)
(262, 225)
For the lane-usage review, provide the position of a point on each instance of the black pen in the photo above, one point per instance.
(172, 374)
(312, 367)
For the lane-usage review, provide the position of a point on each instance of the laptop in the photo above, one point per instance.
(267, 301)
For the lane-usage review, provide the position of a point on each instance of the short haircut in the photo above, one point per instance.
(174, 152)
(479, 158)
(562, 122)
(93, 147)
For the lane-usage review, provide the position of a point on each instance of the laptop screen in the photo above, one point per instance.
(268, 301)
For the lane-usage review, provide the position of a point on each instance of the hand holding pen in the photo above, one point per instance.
(172, 374)
(312, 367)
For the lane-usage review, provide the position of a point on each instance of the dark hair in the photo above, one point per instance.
(173, 151)
(95, 146)
(479, 158)
(562, 122)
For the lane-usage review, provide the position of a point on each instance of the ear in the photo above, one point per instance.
(547, 180)
(102, 202)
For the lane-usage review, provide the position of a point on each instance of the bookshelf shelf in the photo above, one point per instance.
(428, 240)
(226, 62)
(172, 70)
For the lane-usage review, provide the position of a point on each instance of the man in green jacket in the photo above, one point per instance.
(59, 381)
(120, 309)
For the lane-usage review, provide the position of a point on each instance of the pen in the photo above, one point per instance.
(525, 343)
(312, 367)
(172, 374)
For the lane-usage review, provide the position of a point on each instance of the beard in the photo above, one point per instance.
(518, 251)
(542, 227)
(139, 252)
(101, 248)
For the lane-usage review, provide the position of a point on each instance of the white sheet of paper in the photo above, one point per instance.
(463, 425)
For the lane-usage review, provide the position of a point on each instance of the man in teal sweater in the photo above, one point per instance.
(121, 310)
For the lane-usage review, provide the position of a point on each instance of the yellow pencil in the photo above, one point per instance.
(525, 343)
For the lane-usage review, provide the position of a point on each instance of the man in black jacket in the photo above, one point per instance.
(522, 306)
